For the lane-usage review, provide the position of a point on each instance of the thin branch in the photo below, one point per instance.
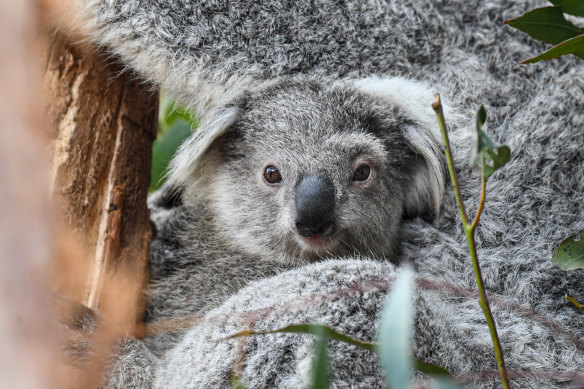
(475, 221)
(437, 106)
(469, 232)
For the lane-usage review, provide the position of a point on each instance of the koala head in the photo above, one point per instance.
(299, 170)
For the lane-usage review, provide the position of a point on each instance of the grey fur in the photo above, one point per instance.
(228, 59)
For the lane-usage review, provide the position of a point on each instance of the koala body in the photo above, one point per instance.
(233, 251)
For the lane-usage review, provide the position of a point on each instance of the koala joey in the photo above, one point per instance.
(299, 170)
(293, 171)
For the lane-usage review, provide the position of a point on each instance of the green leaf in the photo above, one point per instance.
(313, 329)
(170, 111)
(321, 364)
(445, 384)
(164, 149)
(432, 370)
(546, 24)
(572, 7)
(330, 334)
(491, 155)
(236, 382)
(571, 46)
(570, 253)
(395, 332)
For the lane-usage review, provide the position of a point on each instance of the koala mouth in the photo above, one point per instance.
(316, 242)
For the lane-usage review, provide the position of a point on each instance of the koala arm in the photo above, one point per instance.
(348, 295)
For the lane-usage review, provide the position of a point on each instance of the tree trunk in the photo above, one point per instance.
(104, 120)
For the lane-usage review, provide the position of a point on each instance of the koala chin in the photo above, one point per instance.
(298, 169)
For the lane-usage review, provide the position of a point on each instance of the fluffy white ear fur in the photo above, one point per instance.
(415, 99)
(191, 153)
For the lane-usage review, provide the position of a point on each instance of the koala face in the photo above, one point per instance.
(302, 171)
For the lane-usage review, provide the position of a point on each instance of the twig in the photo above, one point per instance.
(469, 229)
(575, 302)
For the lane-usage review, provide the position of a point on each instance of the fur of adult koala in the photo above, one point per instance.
(210, 54)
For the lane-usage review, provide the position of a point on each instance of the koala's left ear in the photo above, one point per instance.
(191, 154)
(426, 187)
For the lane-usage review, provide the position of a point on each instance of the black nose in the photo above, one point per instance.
(315, 206)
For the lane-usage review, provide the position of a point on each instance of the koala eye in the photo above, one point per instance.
(272, 175)
(362, 173)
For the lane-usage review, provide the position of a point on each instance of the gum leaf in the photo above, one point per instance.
(490, 154)
(571, 46)
(395, 332)
(546, 24)
(570, 253)
(572, 7)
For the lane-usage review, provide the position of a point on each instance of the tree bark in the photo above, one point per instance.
(103, 120)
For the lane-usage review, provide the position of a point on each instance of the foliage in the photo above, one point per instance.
(395, 332)
(492, 156)
(570, 254)
(548, 24)
(175, 124)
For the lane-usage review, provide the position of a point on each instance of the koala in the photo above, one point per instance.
(299, 170)
(301, 192)
(293, 172)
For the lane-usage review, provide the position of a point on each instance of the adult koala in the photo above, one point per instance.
(208, 54)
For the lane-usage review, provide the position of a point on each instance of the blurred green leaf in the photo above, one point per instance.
(236, 382)
(490, 154)
(175, 124)
(170, 111)
(164, 149)
(570, 253)
(571, 46)
(572, 7)
(395, 332)
(546, 24)
(445, 384)
(321, 364)
(430, 369)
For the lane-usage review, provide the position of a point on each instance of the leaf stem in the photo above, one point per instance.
(469, 230)
(481, 202)
(575, 302)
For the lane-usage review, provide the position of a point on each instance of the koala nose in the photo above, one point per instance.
(315, 206)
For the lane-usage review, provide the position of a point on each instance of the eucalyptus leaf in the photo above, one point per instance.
(571, 46)
(395, 332)
(323, 331)
(572, 7)
(445, 384)
(164, 149)
(330, 334)
(236, 383)
(321, 364)
(570, 253)
(546, 24)
(432, 370)
(490, 154)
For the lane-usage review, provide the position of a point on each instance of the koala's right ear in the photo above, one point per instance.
(191, 153)
(426, 186)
